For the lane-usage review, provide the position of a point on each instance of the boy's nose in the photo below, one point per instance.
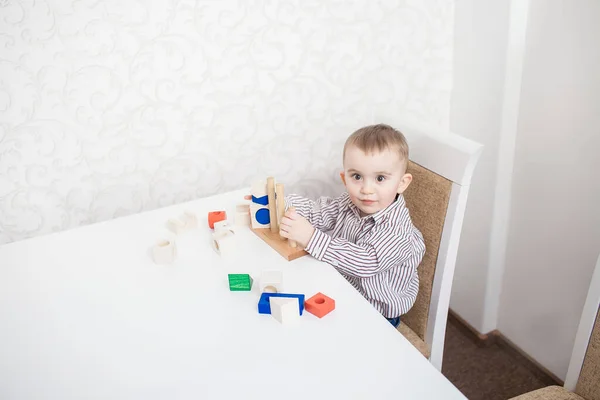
(365, 189)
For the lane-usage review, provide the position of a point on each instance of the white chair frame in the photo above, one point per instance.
(584, 331)
(453, 157)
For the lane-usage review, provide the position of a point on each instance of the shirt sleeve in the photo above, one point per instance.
(382, 251)
(321, 213)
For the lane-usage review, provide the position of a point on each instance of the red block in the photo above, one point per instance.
(216, 216)
(319, 305)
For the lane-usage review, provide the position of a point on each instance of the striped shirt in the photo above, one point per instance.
(378, 254)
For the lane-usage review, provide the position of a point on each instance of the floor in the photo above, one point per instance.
(491, 373)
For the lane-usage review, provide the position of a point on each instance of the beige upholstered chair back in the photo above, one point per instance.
(427, 200)
(588, 384)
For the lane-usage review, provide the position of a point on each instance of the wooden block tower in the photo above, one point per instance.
(266, 211)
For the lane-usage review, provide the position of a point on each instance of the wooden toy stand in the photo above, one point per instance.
(276, 206)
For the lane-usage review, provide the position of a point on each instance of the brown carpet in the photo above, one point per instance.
(491, 373)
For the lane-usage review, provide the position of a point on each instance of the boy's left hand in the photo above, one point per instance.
(295, 227)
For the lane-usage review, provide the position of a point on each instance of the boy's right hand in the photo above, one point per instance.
(295, 227)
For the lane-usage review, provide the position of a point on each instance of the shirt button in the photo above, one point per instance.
(335, 263)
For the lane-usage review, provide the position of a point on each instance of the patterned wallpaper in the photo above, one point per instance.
(110, 107)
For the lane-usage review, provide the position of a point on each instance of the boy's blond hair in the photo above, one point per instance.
(379, 138)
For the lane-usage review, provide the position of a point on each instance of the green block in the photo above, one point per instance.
(240, 282)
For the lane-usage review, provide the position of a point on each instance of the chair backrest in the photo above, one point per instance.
(583, 375)
(427, 200)
(588, 384)
(442, 164)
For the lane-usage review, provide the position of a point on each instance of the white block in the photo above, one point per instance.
(243, 219)
(270, 281)
(164, 251)
(222, 226)
(242, 215)
(224, 242)
(259, 189)
(190, 220)
(184, 223)
(284, 309)
(176, 225)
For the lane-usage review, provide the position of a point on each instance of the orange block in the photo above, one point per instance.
(319, 305)
(216, 216)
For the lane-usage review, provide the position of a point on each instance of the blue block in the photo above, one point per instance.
(264, 307)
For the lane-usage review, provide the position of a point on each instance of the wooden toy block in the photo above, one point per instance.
(242, 215)
(175, 225)
(216, 216)
(284, 310)
(259, 216)
(264, 304)
(319, 305)
(240, 282)
(164, 251)
(224, 242)
(259, 193)
(271, 281)
(222, 226)
(190, 220)
(186, 222)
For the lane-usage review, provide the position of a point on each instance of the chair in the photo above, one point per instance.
(442, 165)
(583, 376)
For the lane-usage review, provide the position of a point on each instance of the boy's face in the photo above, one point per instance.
(373, 180)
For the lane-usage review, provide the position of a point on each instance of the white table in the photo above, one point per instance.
(86, 314)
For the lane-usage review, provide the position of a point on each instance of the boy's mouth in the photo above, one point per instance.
(368, 202)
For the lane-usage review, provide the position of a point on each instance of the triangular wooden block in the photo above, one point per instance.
(284, 309)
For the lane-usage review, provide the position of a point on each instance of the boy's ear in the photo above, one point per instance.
(404, 182)
(343, 177)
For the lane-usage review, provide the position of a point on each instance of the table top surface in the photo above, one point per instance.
(86, 314)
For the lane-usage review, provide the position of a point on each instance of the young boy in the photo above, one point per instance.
(372, 241)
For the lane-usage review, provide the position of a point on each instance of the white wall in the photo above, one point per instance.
(115, 107)
(554, 222)
(554, 236)
(481, 29)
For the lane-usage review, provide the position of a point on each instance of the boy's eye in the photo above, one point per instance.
(380, 178)
(356, 176)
